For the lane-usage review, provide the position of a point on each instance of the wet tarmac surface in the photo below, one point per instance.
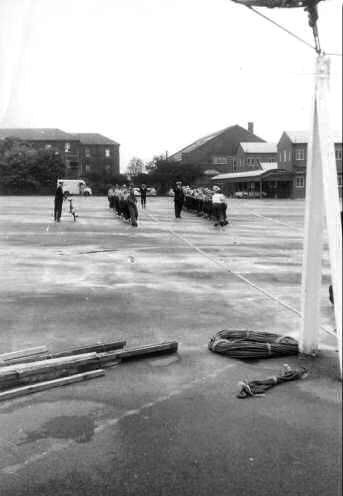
(168, 425)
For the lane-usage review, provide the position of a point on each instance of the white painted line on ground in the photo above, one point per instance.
(222, 264)
(13, 469)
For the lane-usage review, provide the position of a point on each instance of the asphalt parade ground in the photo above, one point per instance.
(167, 426)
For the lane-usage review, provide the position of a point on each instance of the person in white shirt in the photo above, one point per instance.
(219, 205)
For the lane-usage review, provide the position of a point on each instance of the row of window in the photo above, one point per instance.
(300, 181)
(67, 149)
(300, 155)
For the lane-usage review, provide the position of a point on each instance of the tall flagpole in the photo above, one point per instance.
(321, 197)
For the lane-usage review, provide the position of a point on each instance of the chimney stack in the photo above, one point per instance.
(251, 127)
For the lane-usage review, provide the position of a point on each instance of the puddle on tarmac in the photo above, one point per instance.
(79, 429)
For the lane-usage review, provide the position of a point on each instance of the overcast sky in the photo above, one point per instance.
(155, 75)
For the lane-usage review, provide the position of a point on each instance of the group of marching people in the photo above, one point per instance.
(207, 203)
(123, 201)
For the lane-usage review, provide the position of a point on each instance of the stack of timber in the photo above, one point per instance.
(24, 356)
(29, 371)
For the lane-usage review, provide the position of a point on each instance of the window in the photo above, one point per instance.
(285, 155)
(338, 154)
(339, 180)
(67, 147)
(300, 154)
(107, 152)
(88, 168)
(108, 168)
(87, 152)
(220, 160)
(300, 182)
(48, 147)
(289, 156)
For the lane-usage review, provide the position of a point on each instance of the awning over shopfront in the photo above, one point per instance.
(267, 174)
(267, 182)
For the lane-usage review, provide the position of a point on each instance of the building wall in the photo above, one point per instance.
(94, 159)
(293, 157)
(250, 161)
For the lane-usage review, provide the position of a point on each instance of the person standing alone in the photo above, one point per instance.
(58, 202)
(143, 192)
(179, 198)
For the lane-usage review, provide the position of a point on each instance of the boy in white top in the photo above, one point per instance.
(219, 206)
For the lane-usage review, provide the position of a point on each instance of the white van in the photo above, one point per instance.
(74, 187)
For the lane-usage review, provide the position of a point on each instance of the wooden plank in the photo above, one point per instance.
(38, 350)
(28, 359)
(43, 386)
(35, 367)
(140, 352)
(49, 374)
(97, 348)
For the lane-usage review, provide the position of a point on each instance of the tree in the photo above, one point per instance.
(136, 166)
(23, 169)
(165, 174)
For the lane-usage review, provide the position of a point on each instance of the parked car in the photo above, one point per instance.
(151, 192)
(256, 194)
(241, 194)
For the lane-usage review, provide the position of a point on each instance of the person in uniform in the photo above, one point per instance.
(179, 198)
(59, 197)
(219, 207)
(132, 205)
(143, 192)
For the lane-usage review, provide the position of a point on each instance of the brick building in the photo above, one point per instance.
(250, 155)
(98, 153)
(218, 150)
(292, 156)
(82, 153)
(274, 171)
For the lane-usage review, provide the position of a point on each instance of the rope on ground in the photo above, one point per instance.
(252, 344)
(257, 388)
(240, 276)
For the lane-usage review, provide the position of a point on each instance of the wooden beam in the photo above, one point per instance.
(142, 351)
(97, 348)
(21, 371)
(14, 355)
(43, 386)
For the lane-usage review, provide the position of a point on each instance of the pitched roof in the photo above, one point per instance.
(178, 155)
(259, 147)
(36, 134)
(202, 141)
(94, 139)
(304, 136)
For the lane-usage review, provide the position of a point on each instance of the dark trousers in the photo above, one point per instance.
(143, 201)
(58, 209)
(218, 212)
(133, 213)
(178, 209)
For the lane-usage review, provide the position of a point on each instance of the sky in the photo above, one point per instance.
(155, 75)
